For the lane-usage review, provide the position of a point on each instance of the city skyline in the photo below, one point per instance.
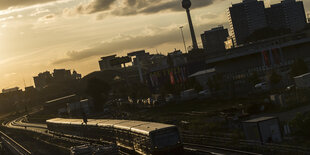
(75, 34)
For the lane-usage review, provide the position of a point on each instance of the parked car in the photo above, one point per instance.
(189, 94)
(263, 86)
(204, 94)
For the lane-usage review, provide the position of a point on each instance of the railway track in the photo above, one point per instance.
(189, 147)
(206, 149)
(194, 143)
(249, 145)
(43, 130)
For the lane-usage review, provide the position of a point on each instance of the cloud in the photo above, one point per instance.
(173, 6)
(6, 18)
(132, 7)
(48, 17)
(121, 43)
(9, 75)
(5, 4)
(38, 11)
(150, 38)
(89, 8)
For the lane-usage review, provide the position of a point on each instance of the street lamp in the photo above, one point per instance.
(181, 28)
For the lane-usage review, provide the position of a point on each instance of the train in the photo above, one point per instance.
(138, 136)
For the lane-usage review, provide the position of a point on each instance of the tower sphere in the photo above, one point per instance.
(186, 4)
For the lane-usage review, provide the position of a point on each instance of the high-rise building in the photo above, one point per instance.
(267, 3)
(289, 14)
(294, 14)
(229, 43)
(245, 18)
(213, 40)
(275, 17)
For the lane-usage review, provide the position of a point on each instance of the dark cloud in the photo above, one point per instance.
(133, 7)
(128, 43)
(92, 7)
(5, 4)
(174, 6)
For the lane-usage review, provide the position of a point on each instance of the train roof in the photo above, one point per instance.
(111, 122)
(134, 126)
(127, 125)
(151, 127)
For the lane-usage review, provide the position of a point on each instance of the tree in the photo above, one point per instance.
(197, 86)
(299, 67)
(254, 78)
(210, 84)
(98, 89)
(275, 78)
(301, 125)
(140, 90)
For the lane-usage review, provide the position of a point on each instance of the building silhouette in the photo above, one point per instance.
(10, 90)
(61, 74)
(289, 14)
(42, 80)
(214, 40)
(245, 18)
(275, 17)
(251, 15)
(105, 63)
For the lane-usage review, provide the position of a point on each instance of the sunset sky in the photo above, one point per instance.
(40, 35)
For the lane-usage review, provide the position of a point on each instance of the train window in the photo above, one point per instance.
(166, 138)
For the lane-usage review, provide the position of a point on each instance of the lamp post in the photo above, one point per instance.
(181, 28)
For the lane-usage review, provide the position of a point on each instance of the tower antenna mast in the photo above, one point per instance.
(186, 4)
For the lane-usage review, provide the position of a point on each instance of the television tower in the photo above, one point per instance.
(186, 4)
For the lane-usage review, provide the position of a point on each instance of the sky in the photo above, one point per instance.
(41, 35)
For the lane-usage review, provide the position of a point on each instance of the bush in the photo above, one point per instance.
(301, 125)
